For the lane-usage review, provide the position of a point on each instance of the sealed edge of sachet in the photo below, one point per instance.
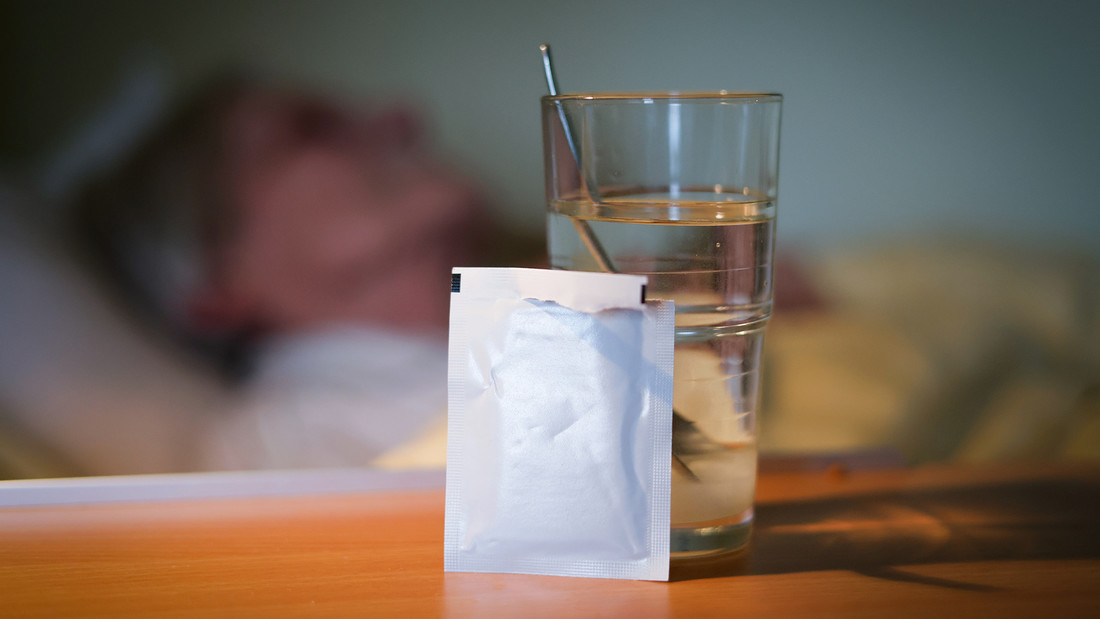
(579, 290)
(485, 469)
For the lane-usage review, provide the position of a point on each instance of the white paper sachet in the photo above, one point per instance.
(559, 425)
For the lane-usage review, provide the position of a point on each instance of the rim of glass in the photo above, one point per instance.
(644, 97)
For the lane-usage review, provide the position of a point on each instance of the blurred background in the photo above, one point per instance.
(939, 226)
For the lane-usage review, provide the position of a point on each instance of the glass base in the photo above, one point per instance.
(705, 539)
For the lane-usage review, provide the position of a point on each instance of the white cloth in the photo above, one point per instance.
(335, 397)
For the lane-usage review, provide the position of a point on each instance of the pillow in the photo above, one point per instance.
(78, 376)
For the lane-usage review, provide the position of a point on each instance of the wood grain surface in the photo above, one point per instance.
(829, 541)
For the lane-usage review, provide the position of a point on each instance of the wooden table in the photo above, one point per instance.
(929, 542)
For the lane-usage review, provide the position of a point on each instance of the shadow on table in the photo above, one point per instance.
(871, 534)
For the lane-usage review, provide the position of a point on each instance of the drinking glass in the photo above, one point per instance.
(681, 188)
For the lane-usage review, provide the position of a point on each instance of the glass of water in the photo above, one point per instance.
(681, 188)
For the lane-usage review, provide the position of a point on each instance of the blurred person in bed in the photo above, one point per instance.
(304, 244)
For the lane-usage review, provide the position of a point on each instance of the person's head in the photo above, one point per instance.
(260, 208)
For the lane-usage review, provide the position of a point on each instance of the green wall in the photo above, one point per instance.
(899, 117)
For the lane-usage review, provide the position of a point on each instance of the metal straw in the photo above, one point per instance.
(583, 229)
(686, 438)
